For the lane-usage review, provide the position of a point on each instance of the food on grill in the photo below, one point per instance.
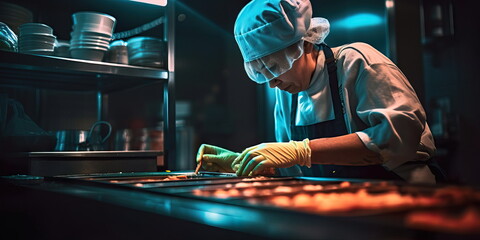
(168, 178)
(311, 187)
(349, 201)
(345, 184)
(301, 200)
(249, 192)
(466, 222)
(221, 193)
(281, 201)
(265, 188)
(242, 185)
(256, 178)
(362, 199)
(172, 178)
(283, 189)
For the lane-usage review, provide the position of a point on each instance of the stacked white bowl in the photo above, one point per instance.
(36, 38)
(91, 35)
(146, 51)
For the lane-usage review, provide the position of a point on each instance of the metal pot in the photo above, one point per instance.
(82, 140)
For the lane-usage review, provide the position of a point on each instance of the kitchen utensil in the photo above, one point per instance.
(198, 167)
(82, 140)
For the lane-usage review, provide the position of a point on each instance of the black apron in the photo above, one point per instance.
(332, 128)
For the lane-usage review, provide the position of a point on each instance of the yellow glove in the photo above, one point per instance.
(216, 159)
(256, 159)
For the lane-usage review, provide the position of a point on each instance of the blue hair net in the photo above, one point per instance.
(266, 26)
(271, 34)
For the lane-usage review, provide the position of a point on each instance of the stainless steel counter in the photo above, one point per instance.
(134, 203)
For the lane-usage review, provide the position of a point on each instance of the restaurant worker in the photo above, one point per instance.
(343, 112)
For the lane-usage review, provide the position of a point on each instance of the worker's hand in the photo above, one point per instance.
(256, 159)
(216, 159)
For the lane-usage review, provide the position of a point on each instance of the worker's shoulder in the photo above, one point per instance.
(362, 51)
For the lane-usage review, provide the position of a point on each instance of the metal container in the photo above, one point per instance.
(82, 140)
(146, 51)
(117, 52)
(70, 140)
(139, 139)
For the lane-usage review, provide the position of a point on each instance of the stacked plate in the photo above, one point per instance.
(146, 51)
(36, 38)
(14, 15)
(91, 35)
(117, 52)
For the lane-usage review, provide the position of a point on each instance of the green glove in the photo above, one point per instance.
(254, 160)
(216, 159)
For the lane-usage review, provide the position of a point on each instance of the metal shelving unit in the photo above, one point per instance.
(57, 73)
(50, 72)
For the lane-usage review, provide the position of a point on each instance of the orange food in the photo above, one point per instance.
(283, 189)
(361, 200)
(302, 200)
(255, 178)
(345, 184)
(220, 193)
(233, 192)
(281, 201)
(310, 187)
(242, 185)
(172, 178)
(249, 192)
(468, 222)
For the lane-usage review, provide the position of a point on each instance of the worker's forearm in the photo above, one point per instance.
(342, 150)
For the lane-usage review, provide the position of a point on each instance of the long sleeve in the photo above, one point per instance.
(390, 108)
(381, 106)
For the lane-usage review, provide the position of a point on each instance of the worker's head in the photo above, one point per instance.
(297, 77)
(271, 35)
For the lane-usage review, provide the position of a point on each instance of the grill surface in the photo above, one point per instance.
(385, 205)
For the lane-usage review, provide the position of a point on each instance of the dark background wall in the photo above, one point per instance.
(451, 91)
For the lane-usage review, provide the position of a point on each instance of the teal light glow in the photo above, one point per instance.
(360, 20)
(221, 216)
(213, 217)
(162, 3)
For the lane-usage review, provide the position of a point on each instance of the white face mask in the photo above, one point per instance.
(269, 67)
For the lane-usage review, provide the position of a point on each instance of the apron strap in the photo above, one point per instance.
(331, 64)
(338, 108)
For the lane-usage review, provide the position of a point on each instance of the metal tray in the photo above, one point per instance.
(257, 194)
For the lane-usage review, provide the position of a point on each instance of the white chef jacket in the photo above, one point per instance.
(380, 105)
